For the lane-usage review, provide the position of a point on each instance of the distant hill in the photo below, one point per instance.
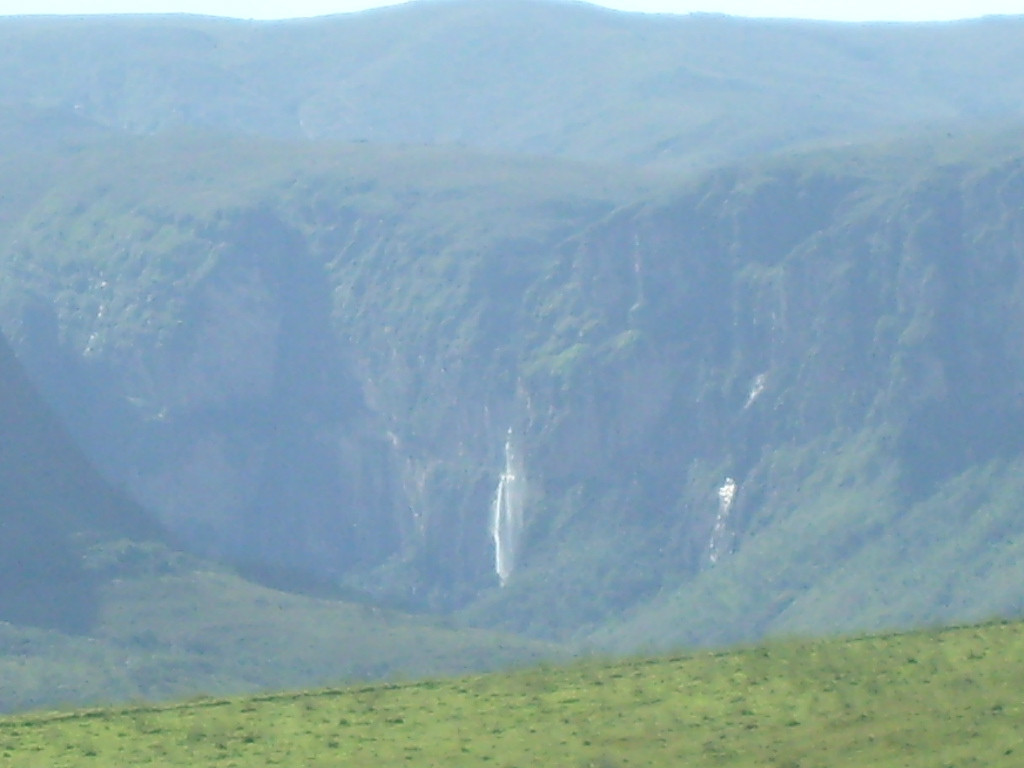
(170, 626)
(525, 76)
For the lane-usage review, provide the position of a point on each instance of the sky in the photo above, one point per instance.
(840, 10)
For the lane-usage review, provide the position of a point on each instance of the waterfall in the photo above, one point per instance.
(756, 389)
(726, 494)
(507, 513)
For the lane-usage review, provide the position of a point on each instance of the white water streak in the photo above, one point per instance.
(756, 389)
(726, 494)
(507, 513)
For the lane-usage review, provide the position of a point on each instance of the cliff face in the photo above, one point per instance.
(227, 404)
(310, 378)
(54, 507)
(719, 396)
(607, 401)
(798, 411)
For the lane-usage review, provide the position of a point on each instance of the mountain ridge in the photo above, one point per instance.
(708, 87)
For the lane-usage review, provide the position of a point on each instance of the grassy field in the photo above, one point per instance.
(948, 698)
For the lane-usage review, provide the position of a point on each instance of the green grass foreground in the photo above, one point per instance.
(949, 698)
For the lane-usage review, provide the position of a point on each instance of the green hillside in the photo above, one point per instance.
(171, 627)
(310, 356)
(539, 78)
(617, 331)
(948, 698)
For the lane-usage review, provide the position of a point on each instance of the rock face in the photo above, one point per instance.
(54, 507)
(330, 389)
(240, 422)
(562, 399)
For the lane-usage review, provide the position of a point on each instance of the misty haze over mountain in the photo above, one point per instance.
(606, 330)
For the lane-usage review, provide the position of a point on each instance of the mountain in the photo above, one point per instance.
(589, 349)
(97, 604)
(522, 76)
(868, 405)
(339, 380)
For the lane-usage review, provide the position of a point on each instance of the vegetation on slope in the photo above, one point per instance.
(877, 469)
(96, 607)
(931, 698)
(540, 78)
(312, 354)
(171, 626)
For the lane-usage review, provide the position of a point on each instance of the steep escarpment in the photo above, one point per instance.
(54, 508)
(551, 399)
(270, 364)
(220, 395)
(842, 397)
(612, 329)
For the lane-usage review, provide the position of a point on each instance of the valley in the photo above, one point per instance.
(318, 337)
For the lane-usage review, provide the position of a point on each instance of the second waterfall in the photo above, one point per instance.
(507, 512)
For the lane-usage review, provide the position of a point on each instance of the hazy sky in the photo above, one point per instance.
(847, 10)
